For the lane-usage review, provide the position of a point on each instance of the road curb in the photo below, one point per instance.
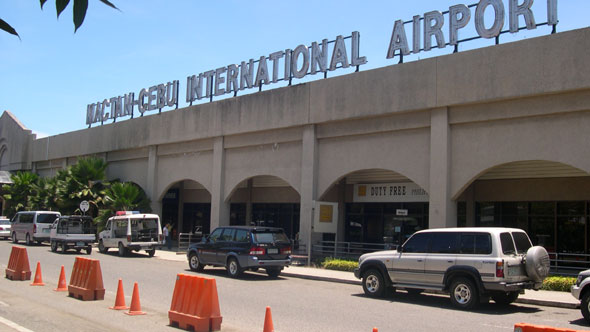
(319, 278)
(544, 303)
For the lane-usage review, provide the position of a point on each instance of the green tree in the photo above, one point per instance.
(84, 181)
(19, 195)
(79, 13)
(122, 196)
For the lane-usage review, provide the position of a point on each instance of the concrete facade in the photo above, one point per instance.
(442, 123)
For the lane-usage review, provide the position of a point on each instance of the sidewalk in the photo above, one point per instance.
(541, 297)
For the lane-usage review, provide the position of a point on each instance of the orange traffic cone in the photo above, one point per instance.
(62, 286)
(38, 278)
(135, 305)
(120, 300)
(268, 326)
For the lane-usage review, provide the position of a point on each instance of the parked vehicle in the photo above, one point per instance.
(5, 228)
(581, 291)
(240, 248)
(32, 226)
(472, 264)
(72, 232)
(131, 231)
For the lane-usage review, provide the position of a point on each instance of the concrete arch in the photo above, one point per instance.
(405, 152)
(163, 192)
(234, 185)
(559, 169)
(394, 175)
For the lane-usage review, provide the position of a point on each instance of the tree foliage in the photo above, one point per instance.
(19, 195)
(86, 180)
(79, 13)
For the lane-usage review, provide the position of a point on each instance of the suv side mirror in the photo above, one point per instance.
(399, 248)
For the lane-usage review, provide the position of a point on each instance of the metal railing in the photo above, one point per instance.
(565, 264)
(185, 239)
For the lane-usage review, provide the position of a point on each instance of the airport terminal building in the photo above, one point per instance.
(489, 137)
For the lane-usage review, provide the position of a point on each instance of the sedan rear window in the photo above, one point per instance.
(4, 222)
(270, 237)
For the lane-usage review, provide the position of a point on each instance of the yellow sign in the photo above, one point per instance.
(326, 212)
(362, 191)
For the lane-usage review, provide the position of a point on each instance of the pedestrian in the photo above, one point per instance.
(169, 236)
(165, 233)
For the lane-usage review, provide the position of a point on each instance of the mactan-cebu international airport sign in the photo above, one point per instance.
(326, 56)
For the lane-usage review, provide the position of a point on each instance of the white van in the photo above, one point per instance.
(131, 231)
(31, 226)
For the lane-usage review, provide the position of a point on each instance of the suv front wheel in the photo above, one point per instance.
(463, 293)
(373, 283)
(585, 306)
(194, 263)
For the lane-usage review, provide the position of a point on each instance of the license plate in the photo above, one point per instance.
(273, 251)
(80, 244)
(45, 230)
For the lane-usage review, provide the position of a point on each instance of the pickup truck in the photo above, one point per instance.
(72, 232)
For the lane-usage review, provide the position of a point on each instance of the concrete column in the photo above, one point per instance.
(308, 186)
(152, 180)
(443, 210)
(470, 206)
(180, 221)
(219, 208)
(341, 210)
(249, 203)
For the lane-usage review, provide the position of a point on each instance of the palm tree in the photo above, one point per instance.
(18, 195)
(122, 196)
(84, 181)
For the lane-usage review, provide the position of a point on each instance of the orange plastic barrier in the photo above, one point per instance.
(523, 327)
(195, 304)
(18, 264)
(86, 280)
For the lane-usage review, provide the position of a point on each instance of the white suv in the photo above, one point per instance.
(131, 231)
(472, 264)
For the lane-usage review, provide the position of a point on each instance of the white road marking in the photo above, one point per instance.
(13, 325)
(4, 304)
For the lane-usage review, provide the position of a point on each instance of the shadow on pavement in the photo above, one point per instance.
(443, 302)
(246, 275)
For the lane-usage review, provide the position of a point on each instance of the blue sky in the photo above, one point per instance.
(50, 76)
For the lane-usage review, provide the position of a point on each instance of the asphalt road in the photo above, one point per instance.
(297, 304)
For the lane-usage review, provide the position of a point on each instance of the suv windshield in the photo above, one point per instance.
(270, 236)
(46, 218)
(522, 242)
